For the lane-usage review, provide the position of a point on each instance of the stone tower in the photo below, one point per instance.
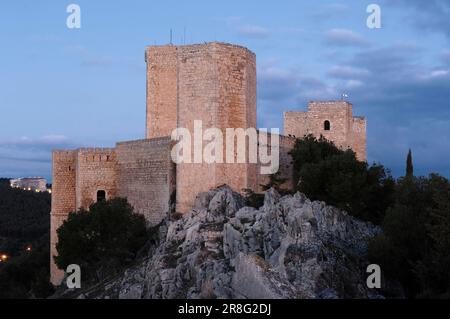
(332, 119)
(212, 82)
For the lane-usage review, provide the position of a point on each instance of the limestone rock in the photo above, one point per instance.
(289, 248)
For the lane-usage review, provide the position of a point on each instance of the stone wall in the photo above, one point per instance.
(63, 200)
(359, 136)
(96, 171)
(146, 176)
(162, 74)
(286, 165)
(141, 171)
(345, 131)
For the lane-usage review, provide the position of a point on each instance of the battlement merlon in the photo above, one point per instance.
(329, 103)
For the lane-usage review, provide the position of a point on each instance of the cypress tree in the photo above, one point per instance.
(409, 164)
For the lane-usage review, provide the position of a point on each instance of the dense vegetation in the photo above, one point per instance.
(329, 174)
(24, 222)
(415, 245)
(103, 240)
(414, 212)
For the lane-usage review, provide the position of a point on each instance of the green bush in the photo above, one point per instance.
(102, 240)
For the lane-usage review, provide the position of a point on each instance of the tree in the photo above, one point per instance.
(335, 176)
(312, 150)
(409, 165)
(414, 246)
(24, 222)
(101, 240)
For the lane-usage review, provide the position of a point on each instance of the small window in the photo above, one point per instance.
(326, 125)
(101, 196)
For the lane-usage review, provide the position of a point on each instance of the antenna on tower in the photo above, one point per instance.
(170, 36)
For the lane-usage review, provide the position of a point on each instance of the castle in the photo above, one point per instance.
(212, 82)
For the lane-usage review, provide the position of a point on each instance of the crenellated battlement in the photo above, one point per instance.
(333, 120)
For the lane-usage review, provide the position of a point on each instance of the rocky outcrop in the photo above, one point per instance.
(289, 248)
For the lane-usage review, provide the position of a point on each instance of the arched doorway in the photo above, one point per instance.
(101, 195)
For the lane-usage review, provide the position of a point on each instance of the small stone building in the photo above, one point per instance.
(333, 120)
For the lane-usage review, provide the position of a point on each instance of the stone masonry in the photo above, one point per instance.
(333, 120)
(212, 82)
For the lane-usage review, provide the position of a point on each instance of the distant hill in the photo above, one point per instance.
(24, 222)
(24, 218)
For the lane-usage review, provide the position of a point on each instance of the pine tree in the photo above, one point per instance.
(409, 164)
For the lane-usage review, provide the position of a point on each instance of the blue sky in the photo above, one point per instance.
(64, 88)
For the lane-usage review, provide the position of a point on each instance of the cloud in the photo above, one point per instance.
(44, 143)
(26, 156)
(445, 56)
(330, 10)
(253, 31)
(432, 15)
(348, 72)
(281, 89)
(344, 37)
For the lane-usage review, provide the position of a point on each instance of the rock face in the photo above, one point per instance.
(289, 248)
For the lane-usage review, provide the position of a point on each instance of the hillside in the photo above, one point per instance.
(290, 247)
(24, 218)
(24, 223)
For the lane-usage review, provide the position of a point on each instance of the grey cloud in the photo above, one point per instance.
(348, 72)
(30, 156)
(279, 84)
(344, 37)
(445, 56)
(44, 143)
(283, 89)
(430, 15)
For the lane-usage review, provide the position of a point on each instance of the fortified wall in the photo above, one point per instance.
(141, 171)
(214, 83)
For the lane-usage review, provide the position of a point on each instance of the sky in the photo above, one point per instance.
(65, 88)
